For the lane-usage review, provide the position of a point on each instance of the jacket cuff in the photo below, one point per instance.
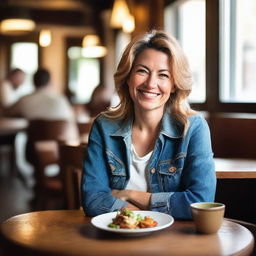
(160, 202)
(118, 204)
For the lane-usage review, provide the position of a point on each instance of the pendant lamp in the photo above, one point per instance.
(16, 21)
(121, 17)
(92, 47)
(45, 38)
(16, 26)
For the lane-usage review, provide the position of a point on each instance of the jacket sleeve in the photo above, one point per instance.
(198, 180)
(95, 189)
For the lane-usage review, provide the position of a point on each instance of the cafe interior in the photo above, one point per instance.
(80, 43)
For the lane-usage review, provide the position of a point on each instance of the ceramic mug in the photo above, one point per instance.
(207, 216)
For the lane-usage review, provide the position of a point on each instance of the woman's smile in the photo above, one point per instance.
(148, 94)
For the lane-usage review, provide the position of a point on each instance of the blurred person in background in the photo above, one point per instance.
(9, 87)
(100, 101)
(44, 102)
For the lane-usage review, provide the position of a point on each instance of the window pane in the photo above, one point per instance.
(25, 57)
(238, 50)
(189, 29)
(84, 75)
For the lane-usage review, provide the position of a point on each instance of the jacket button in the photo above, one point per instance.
(172, 169)
(153, 170)
(112, 167)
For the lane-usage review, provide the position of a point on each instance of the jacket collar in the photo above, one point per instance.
(124, 129)
(170, 128)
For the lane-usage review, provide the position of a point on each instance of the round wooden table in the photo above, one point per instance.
(69, 232)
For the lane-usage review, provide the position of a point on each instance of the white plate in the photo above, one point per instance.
(102, 221)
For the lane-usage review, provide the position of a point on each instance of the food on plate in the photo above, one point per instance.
(130, 220)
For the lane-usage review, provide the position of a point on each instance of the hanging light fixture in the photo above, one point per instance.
(128, 24)
(121, 17)
(45, 38)
(16, 22)
(16, 26)
(92, 48)
(119, 12)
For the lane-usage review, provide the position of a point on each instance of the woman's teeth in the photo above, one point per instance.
(150, 94)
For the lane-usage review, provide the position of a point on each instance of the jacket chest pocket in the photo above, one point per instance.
(170, 173)
(117, 171)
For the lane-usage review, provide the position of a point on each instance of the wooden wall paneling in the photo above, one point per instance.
(233, 135)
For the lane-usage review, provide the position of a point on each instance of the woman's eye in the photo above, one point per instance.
(164, 75)
(142, 71)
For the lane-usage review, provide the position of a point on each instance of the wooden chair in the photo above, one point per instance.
(71, 164)
(42, 151)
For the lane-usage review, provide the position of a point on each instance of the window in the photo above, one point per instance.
(24, 55)
(186, 21)
(238, 50)
(84, 75)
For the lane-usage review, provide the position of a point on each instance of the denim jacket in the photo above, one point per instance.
(180, 171)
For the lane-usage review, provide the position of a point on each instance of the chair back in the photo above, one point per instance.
(49, 130)
(41, 129)
(71, 164)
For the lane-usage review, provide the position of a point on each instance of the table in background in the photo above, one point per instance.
(69, 232)
(9, 125)
(236, 187)
(235, 168)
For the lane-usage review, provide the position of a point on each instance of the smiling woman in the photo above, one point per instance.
(152, 152)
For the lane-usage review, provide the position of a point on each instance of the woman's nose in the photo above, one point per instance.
(151, 81)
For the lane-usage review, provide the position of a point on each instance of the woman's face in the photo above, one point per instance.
(150, 83)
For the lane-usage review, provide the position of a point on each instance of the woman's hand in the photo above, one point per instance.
(136, 198)
(124, 195)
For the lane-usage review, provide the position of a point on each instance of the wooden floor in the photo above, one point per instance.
(15, 197)
(15, 190)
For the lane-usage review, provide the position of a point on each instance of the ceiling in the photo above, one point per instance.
(65, 12)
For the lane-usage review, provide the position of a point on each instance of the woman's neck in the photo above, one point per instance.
(145, 131)
(147, 120)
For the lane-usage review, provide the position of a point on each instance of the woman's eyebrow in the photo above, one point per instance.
(144, 66)
(164, 70)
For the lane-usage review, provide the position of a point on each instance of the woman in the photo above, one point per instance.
(152, 152)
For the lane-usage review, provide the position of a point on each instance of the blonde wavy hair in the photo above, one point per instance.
(180, 71)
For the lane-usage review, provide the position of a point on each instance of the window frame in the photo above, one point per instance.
(213, 102)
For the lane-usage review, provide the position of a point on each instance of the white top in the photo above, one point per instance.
(44, 103)
(9, 96)
(138, 180)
